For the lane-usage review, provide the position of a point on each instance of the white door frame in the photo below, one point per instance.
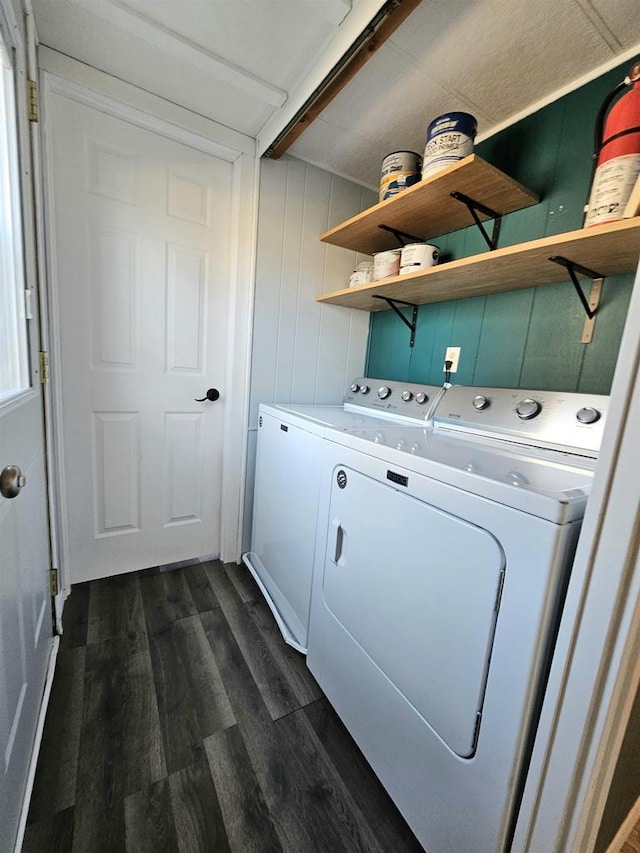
(73, 80)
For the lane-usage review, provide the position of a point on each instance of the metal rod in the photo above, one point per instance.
(401, 236)
(473, 207)
(471, 202)
(572, 268)
(495, 234)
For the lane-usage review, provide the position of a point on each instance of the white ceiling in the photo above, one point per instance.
(248, 63)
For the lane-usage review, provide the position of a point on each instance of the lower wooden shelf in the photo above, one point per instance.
(609, 249)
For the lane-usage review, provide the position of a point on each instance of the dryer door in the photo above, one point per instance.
(418, 589)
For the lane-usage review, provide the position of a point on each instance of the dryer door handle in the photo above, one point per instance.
(340, 542)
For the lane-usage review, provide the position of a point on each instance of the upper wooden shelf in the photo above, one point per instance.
(610, 249)
(427, 210)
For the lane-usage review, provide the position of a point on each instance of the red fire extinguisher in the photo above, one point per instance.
(616, 152)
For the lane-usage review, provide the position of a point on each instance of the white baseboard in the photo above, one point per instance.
(53, 654)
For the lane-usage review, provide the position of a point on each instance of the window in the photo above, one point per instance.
(14, 362)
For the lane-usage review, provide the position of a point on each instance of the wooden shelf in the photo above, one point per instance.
(609, 249)
(427, 210)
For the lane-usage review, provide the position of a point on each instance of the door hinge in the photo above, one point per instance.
(44, 367)
(32, 91)
(53, 582)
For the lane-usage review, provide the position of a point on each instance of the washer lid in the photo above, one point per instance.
(319, 418)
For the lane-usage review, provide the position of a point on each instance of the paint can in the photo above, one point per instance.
(400, 170)
(418, 256)
(362, 274)
(449, 139)
(386, 264)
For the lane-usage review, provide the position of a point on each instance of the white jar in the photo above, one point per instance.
(418, 256)
(386, 264)
(362, 274)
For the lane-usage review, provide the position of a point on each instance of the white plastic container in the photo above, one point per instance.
(386, 264)
(362, 274)
(418, 256)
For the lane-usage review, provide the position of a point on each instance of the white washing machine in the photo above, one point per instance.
(442, 560)
(287, 484)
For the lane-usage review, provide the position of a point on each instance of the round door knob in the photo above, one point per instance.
(212, 395)
(528, 408)
(588, 415)
(480, 402)
(11, 481)
(384, 392)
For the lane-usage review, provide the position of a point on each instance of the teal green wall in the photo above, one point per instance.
(525, 338)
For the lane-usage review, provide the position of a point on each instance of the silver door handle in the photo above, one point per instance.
(11, 481)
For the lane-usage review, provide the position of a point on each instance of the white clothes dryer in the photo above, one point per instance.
(442, 560)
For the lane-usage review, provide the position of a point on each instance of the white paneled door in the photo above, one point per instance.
(142, 232)
(25, 609)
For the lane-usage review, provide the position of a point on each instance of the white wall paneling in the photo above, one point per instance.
(302, 352)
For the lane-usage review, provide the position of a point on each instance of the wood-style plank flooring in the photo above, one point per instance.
(180, 721)
(632, 844)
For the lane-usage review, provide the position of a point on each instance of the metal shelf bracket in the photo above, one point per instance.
(401, 236)
(411, 325)
(590, 305)
(572, 268)
(476, 207)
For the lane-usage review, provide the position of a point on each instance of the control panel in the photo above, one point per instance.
(392, 399)
(562, 421)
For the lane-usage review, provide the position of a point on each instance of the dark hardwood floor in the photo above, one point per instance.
(180, 721)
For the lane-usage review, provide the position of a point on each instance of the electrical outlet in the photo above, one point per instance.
(453, 355)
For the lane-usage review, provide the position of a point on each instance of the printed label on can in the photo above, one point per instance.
(449, 139)
(400, 171)
(418, 256)
(612, 186)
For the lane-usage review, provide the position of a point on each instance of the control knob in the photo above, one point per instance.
(421, 398)
(364, 389)
(528, 408)
(480, 402)
(588, 415)
(384, 392)
(354, 387)
(407, 396)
